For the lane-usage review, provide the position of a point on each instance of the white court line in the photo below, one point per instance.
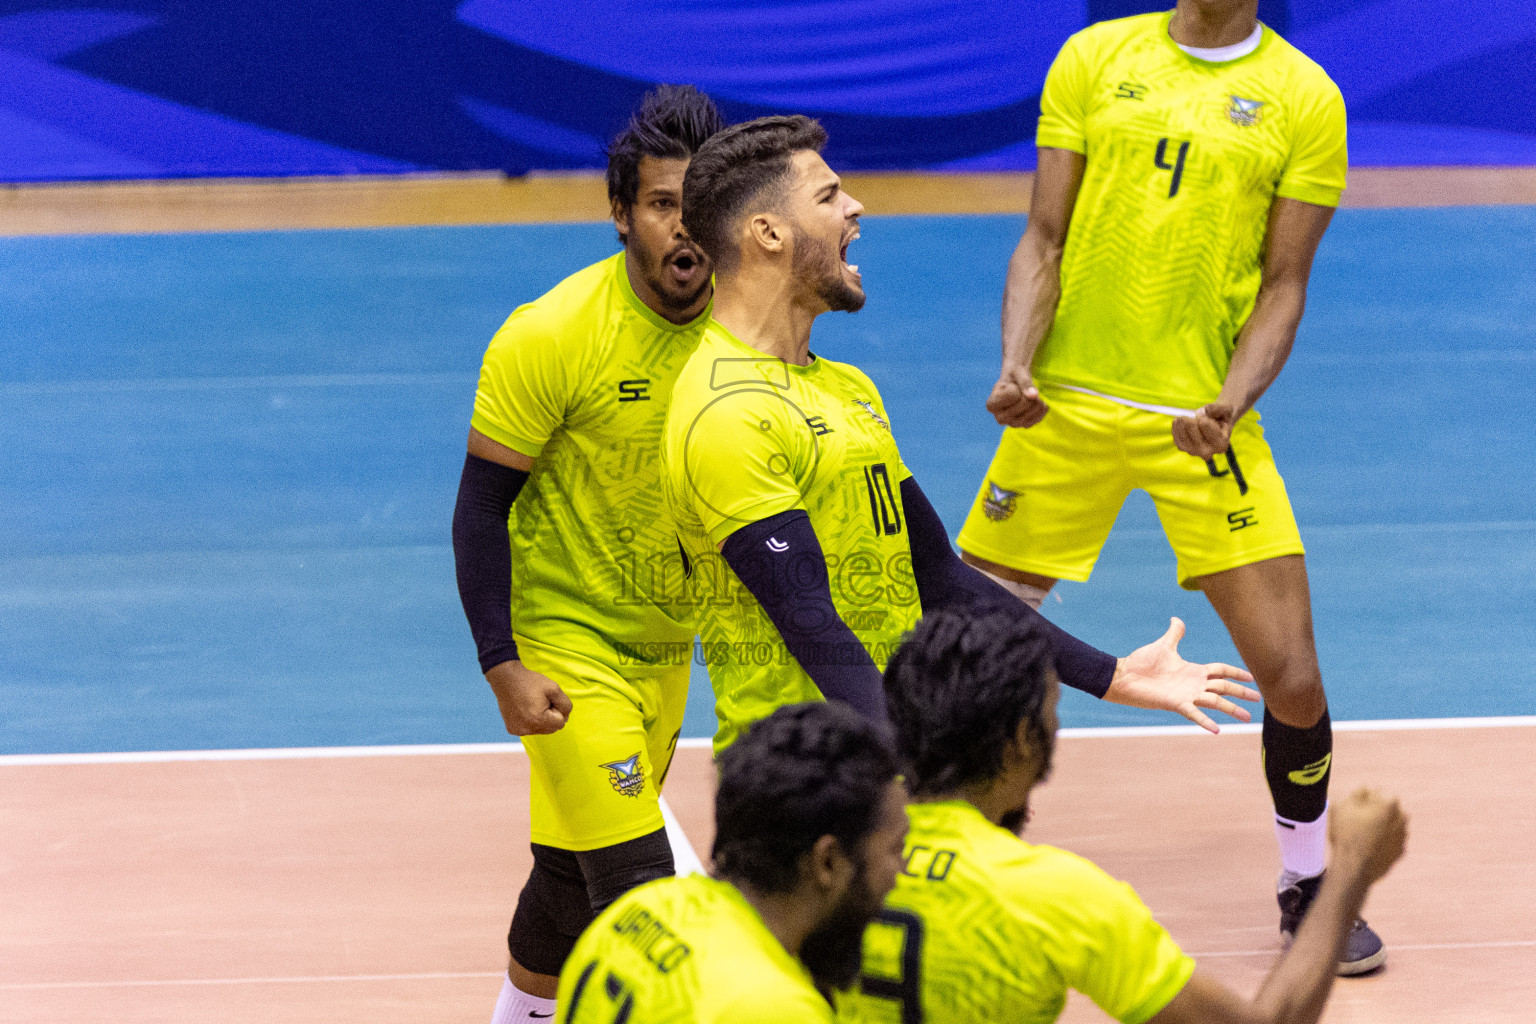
(1391, 948)
(1364, 725)
(32, 986)
(701, 742)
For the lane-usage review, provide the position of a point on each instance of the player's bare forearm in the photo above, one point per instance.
(1294, 232)
(1296, 990)
(1030, 295)
(1264, 344)
(1033, 286)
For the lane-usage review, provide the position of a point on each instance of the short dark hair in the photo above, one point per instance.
(957, 689)
(732, 169)
(672, 123)
(805, 771)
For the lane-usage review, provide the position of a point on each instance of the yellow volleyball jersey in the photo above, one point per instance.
(750, 436)
(579, 380)
(984, 927)
(1184, 159)
(685, 950)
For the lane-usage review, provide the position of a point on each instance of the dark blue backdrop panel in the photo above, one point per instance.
(152, 88)
(229, 465)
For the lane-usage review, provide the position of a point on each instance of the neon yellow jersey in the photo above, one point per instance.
(684, 950)
(579, 380)
(748, 437)
(1184, 159)
(984, 927)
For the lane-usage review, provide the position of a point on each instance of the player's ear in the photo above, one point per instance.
(1023, 755)
(767, 231)
(620, 212)
(828, 865)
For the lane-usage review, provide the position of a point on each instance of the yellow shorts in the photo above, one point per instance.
(1053, 492)
(597, 781)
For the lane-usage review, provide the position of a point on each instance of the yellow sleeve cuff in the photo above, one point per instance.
(1307, 192)
(503, 436)
(736, 519)
(1058, 139)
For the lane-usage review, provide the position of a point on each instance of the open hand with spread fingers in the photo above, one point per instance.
(1156, 678)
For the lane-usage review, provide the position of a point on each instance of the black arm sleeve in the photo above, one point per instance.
(944, 580)
(482, 555)
(781, 563)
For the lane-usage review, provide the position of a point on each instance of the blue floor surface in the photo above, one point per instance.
(228, 462)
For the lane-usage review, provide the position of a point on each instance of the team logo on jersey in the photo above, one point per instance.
(626, 777)
(1130, 91)
(869, 408)
(997, 503)
(1245, 112)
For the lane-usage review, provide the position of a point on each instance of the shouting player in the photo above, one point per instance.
(1189, 163)
(559, 502)
(984, 927)
(809, 822)
(784, 463)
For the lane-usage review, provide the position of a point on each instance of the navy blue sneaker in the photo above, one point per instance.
(1363, 949)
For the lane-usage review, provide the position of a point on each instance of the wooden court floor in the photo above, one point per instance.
(370, 889)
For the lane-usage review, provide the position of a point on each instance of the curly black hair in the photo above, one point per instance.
(805, 771)
(736, 166)
(957, 689)
(672, 123)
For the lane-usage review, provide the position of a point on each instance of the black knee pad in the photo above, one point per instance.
(612, 871)
(552, 911)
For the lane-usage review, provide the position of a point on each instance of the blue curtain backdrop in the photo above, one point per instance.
(170, 88)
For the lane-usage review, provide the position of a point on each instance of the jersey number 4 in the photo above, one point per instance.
(1177, 167)
(909, 990)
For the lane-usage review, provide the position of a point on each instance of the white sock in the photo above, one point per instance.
(1030, 595)
(514, 1006)
(1303, 848)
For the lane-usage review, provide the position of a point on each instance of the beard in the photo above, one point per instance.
(653, 268)
(818, 265)
(834, 951)
(1016, 819)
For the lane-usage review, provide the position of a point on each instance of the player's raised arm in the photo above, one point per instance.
(1152, 677)
(1368, 834)
(1295, 231)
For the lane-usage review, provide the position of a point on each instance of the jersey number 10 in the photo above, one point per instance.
(882, 500)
